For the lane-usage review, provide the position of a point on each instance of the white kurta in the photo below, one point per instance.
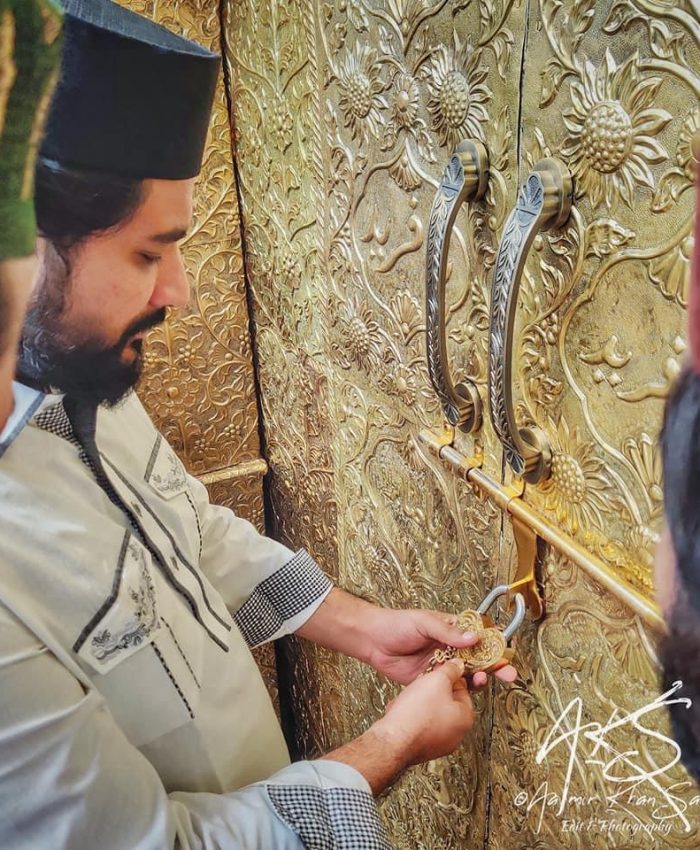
(132, 714)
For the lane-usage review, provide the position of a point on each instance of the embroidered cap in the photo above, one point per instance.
(133, 98)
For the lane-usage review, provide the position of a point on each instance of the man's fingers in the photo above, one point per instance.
(453, 669)
(507, 673)
(441, 628)
(461, 695)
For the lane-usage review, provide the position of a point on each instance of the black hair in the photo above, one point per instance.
(680, 647)
(72, 204)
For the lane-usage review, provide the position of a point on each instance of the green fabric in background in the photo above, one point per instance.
(30, 57)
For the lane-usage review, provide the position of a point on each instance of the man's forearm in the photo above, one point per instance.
(342, 622)
(376, 754)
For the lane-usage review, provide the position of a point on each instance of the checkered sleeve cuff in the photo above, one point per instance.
(275, 603)
(330, 818)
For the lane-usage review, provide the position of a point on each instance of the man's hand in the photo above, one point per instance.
(398, 644)
(404, 641)
(426, 721)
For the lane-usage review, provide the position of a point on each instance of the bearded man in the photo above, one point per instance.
(132, 714)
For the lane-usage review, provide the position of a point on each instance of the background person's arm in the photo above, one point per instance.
(29, 53)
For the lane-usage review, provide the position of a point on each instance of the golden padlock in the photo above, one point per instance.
(491, 652)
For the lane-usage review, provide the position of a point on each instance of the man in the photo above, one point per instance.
(678, 556)
(131, 711)
(29, 46)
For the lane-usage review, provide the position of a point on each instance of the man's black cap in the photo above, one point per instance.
(132, 99)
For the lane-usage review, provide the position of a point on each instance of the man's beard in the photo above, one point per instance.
(87, 371)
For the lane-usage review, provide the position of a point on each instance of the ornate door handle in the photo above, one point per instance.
(544, 202)
(464, 179)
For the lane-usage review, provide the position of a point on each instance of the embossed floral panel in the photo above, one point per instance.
(199, 384)
(612, 91)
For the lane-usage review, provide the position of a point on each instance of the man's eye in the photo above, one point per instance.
(149, 259)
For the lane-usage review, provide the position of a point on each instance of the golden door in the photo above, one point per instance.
(426, 410)
(564, 325)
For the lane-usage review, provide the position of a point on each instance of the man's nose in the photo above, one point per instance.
(172, 287)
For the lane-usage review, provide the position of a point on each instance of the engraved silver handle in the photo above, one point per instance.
(544, 202)
(464, 179)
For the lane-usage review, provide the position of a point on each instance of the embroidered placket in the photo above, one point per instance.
(210, 612)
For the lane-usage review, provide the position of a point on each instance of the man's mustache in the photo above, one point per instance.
(142, 324)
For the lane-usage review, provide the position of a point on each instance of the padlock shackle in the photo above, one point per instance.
(520, 608)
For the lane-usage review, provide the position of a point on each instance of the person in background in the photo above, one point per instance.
(29, 54)
(678, 556)
(132, 713)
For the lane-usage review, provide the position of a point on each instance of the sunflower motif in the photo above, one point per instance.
(611, 131)
(357, 336)
(458, 97)
(576, 487)
(401, 382)
(361, 90)
(404, 108)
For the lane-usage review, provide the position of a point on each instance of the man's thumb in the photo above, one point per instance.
(449, 634)
(453, 669)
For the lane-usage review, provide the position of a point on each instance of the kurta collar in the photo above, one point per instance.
(27, 402)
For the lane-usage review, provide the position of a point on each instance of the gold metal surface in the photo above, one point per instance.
(509, 501)
(465, 179)
(342, 114)
(525, 580)
(544, 203)
(612, 91)
(199, 382)
(248, 469)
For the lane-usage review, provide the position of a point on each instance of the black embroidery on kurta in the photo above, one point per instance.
(82, 420)
(281, 596)
(197, 520)
(152, 458)
(174, 481)
(181, 651)
(330, 818)
(172, 679)
(109, 601)
(142, 623)
(171, 540)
